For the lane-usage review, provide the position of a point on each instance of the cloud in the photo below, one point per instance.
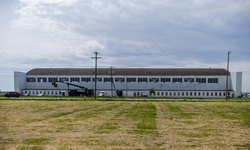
(167, 27)
(131, 33)
(47, 2)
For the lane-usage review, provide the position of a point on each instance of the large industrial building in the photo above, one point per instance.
(161, 82)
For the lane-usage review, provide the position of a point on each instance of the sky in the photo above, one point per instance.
(125, 33)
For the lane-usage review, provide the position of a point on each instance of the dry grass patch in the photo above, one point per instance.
(67, 125)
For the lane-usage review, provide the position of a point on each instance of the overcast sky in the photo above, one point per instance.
(126, 33)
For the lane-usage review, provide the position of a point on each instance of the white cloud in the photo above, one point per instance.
(49, 2)
(162, 33)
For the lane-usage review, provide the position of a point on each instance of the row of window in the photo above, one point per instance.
(191, 93)
(203, 94)
(121, 80)
(42, 92)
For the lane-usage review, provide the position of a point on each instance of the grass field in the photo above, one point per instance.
(65, 125)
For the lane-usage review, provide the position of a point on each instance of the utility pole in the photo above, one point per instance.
(227, 74)
(95, 57)
(111, 79)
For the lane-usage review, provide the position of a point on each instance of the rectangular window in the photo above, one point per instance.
(177, 80)
(189, 80)
(74, 79)
(107, 79)
(201, 80)
(85, 79)
(129, 80)
(63, 79)
(31, 79)
(142, 80)
(97, 79)
(164, 80)
(212, 80)
(119, 80)
(41, 79)
(154, 80)
(53, 80)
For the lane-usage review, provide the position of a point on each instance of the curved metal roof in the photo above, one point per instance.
(128, 71)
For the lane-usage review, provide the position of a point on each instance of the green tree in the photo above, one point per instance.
(151, 91)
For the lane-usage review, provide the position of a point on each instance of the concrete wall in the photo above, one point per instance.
(19, 81)
(237, 83)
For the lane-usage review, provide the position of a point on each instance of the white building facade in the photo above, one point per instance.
(165, 82)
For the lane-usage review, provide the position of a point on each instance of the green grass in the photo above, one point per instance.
(35, 141)
(94, 113)
(178, 112)
(73, 98)
(230, 112)
(52, 114)
(27, 125)
(200, 132)
(60, 114)
(147, 117)
(107, 127)
(144, 114)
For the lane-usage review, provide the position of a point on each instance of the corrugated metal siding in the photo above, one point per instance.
(129, 71)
